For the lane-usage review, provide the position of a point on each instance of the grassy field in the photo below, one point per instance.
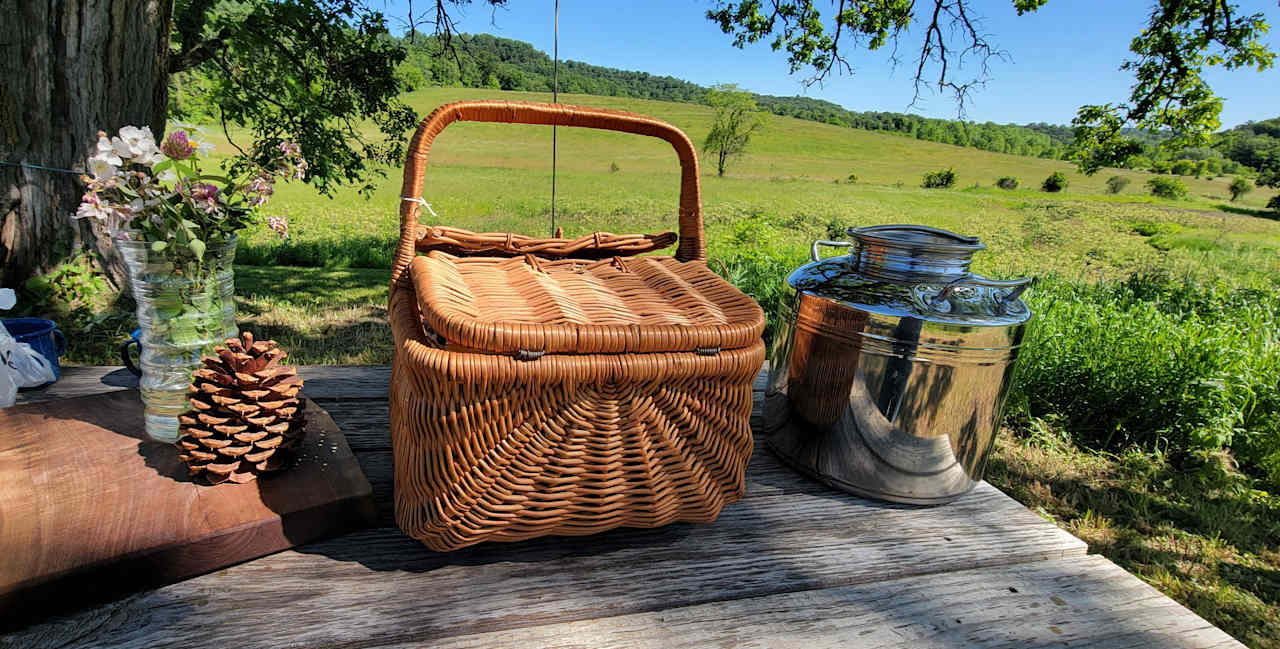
(1157, 344)
(496, 177)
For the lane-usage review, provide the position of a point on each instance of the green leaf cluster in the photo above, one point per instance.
(308, 71)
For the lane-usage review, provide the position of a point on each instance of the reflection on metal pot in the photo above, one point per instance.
(890, 375)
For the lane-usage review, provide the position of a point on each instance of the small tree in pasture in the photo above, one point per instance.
(737, 118)
(1007, 182)
(1171, 188)
(940, 179)
(1239, 187)
(1116, 184)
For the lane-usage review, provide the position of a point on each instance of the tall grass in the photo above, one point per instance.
(1167, 365)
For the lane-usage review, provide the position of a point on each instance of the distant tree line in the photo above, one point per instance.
(485, 61)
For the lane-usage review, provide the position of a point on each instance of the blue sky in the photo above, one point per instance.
(1066, 54)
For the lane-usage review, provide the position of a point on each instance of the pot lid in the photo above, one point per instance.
(912, 252)
(918, 237)
(913, 271)
(968, 300)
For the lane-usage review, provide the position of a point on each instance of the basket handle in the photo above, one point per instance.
(692, 244)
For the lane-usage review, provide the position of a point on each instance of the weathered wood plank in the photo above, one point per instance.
(380, 586)
(322, 382)
(345, 382)
(1081, 602)
(80, 382)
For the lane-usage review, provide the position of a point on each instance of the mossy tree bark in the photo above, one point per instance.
(70, 68)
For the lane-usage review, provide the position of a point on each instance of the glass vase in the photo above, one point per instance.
(184, 310)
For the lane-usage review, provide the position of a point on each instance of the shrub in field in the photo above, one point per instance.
(1274, 204)
(853, 178)
(1056, 182)
(1160, 364)
(1239, 187)
(1116, 184)
(347, 252)
(1007, 182)
(941, 179)
(1182, 168)
(1167, 188)
(614, 168)
(755, 262)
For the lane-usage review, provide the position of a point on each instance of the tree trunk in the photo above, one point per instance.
(70, 68)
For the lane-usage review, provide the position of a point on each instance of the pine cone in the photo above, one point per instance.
(245, 414)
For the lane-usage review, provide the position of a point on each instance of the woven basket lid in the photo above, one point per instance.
(573, 306)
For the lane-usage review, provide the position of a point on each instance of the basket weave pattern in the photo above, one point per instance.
(635, 411)
(596, 245)
(522, 303)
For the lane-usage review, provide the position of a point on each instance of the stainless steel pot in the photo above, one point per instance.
(890, 374)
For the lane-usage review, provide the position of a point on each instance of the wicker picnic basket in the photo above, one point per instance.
(554, 386)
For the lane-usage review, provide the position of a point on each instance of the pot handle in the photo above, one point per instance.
(127, 358)
(813, 250)
(1017, 288)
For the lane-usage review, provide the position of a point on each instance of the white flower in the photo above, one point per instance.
(103, 166)
(106, 151)
(167, 176)
(150, 156)
(203, 148)
(92, 208)
(133, 142)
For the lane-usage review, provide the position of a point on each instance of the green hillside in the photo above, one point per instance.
(485, 61)
(497, 177)
(488, 62)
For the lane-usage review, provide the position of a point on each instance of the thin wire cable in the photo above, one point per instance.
(40, 167)
(555, 98)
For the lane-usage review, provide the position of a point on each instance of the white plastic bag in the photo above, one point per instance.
(20, 365)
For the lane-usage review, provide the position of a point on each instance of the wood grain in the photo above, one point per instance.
(390, 589)
(322, 382)
(1086, 602)
(89, 509)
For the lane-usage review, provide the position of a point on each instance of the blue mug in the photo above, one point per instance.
(135, 338)
(43, 336)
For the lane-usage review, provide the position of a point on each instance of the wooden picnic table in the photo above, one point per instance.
(794, 564)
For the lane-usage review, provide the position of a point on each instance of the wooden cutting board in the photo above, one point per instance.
(89, 509)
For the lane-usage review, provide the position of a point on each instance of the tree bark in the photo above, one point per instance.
(70, 68)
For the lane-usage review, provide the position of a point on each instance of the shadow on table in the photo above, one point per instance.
(757, 549)
(121, 378)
